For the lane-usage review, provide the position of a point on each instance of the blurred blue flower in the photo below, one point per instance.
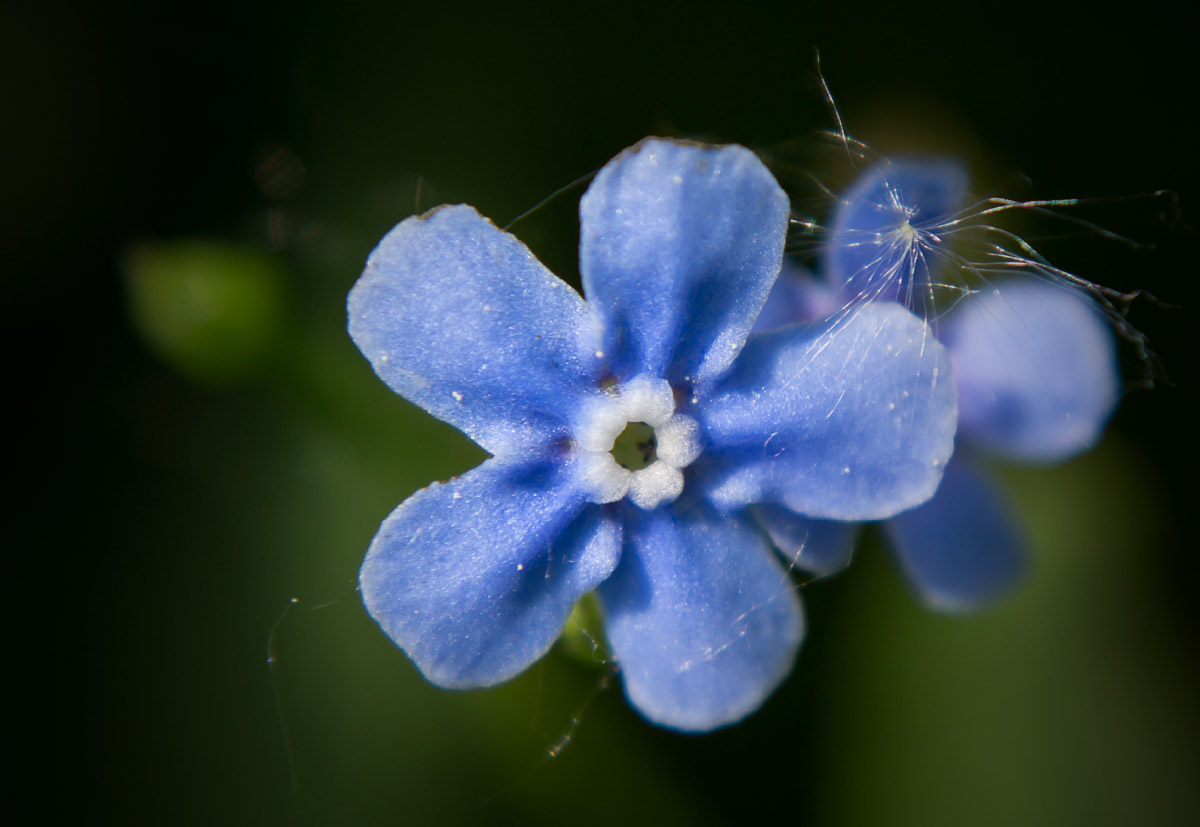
(680, 244)
(1034, 369)
(1036, 373)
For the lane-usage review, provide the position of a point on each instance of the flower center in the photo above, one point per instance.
(636, 446)
(632, 443)
(907, 233)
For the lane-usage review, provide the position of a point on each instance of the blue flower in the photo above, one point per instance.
(1036, 372)
(680, 244)
(1034, 368)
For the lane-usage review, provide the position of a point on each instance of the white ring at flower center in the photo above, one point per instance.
(641, 399)
(652, 402)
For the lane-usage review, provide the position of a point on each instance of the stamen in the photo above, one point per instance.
(636, 447)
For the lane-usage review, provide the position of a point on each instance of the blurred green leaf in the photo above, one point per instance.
(213, 311)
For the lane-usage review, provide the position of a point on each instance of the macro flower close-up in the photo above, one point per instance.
(415, 441)
(629, 433)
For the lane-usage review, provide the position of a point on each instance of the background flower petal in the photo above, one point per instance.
(704, 621)
(680, 243)
(851, 418)
(815, 546)
(460, 318)
(867, 255)
(474, 578)
(963, 548)
(1036, 370)
(796, 297)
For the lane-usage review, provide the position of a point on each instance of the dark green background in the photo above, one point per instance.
(174, 497)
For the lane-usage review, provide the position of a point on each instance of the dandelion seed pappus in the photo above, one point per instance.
(907, 227)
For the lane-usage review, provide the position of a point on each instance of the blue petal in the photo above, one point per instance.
(460, 318)
(817, 546)
(1036, 370)
(871, 251)
(474, 578)
(796, 297)
(680, 244)
(704, 622)
(963, 548)
(851, 418)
